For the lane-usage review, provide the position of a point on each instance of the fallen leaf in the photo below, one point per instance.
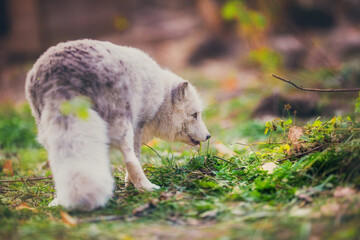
(269, 167)
(25, 206)
(179, 196)
(223, 150)
(166, 195)
(7, 168)
(140, 210)
(66, 218)
(294, 134)
(341, 192)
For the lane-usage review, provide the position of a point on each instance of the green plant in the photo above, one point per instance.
(17, 128)
(267, 188)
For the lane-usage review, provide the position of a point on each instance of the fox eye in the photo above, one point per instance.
(195, 115)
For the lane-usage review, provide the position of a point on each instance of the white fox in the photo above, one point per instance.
(132, 100)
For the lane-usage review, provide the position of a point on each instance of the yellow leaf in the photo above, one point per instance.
(266, 131)
(286, 148)
(66, 218)
(333, 120)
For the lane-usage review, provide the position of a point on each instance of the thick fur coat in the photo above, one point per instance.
(132, 100)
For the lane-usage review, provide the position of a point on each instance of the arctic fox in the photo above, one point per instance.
(132, 100)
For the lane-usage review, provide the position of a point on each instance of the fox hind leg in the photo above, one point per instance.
(78, 155)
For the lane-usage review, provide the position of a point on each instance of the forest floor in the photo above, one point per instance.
(287, 178)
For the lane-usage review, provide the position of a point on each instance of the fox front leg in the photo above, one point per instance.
(133, 167)
(134, 171)
(137, 149)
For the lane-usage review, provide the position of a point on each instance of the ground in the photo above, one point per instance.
(287, 178)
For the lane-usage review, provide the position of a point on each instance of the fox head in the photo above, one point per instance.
(187, 123)
(182, 119)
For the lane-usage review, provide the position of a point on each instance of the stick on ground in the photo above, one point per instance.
(25, 179)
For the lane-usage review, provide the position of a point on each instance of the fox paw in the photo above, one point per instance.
(147, 186)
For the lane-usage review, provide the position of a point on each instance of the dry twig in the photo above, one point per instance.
(317, 89)
(224, 160)
(301, 154)
(25, 179)
(101, 219)
(258, 143)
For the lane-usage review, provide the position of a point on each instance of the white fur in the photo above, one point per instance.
(78, 156)
(162, 104)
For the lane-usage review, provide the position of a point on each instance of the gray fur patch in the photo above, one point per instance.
(77, 70)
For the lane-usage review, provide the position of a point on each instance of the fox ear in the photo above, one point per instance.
(179, 92)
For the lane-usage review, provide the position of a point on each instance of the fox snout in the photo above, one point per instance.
(201, 135)
(195, 142)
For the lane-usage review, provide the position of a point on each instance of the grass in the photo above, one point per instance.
(205, 193)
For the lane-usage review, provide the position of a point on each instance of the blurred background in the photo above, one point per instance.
(227, 48)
